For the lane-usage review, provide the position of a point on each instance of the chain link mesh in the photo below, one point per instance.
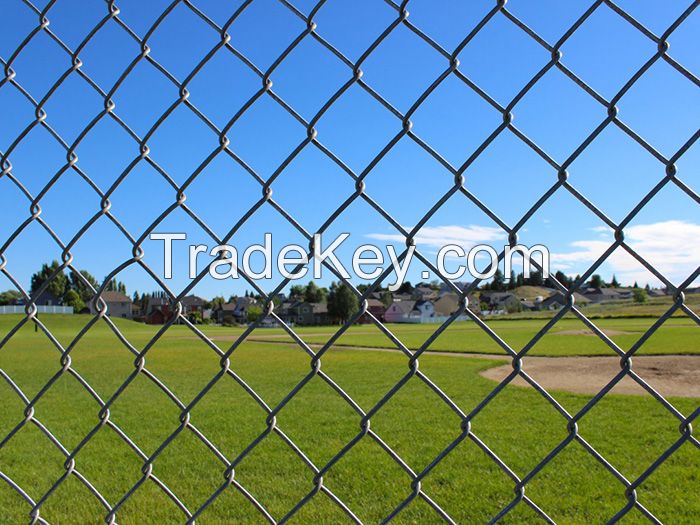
(111, 16)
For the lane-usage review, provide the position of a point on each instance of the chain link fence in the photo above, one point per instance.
(110, 16)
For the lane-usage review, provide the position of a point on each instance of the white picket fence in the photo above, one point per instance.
(40, 309)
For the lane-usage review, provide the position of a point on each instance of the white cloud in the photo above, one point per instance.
(439, 236)
(670, 246)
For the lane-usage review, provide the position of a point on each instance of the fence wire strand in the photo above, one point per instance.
(221, 146)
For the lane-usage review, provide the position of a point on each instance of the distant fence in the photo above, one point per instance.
(39, 310)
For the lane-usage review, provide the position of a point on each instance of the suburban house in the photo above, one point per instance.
(308, 314)
(118, 305)
(240, 312)
(235, 312)
(224, 314)
(158, 310)
(499, 302)
(136, 312)
(528, 306)
(557, 301)
(435, 310)
(424, 293)
(192, 304)
(448, 303)
(399, 312)
(374, 307)
(599, 295)
(424, 309)
(46, 298)
(410, 312)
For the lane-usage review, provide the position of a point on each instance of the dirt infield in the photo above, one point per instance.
(669, 375)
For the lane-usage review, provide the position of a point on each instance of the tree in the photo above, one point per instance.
(342, 302)
(362, 287)
(512, 282)
(562, 278)
(596, 281)
(519, 280)
(9, 297)
(513, 308)
(79, 285)
(406, 287)
(387, 298)
(253, 313)
(115, 286)
(217, 302)
(72, 298)
(195, 317)
(144, 303)
(296, 292)
(614, 283)
(576, 279)
(314, 294)
(57, 286)
(535, 279)
(498, 283)
(640, 295)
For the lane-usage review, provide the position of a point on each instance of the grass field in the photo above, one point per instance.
(676, 336)
(518, 425)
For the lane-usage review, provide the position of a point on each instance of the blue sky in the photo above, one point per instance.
(614, 172)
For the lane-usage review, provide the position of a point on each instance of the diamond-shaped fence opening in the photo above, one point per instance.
(332, 116)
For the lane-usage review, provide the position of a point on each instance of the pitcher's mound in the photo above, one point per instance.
(671, 375)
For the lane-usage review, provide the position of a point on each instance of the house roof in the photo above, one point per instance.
(243, 302)
(447, 303)
(497, 296)
(559, 297)
(114, 297)
(157, 301)
(403, 306)
(607, 292)
(193, 300)
(374, 303)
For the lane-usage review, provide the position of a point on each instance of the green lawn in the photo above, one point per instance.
(676, 336)
(518, 425)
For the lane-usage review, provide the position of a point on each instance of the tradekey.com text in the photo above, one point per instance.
(452, 261)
